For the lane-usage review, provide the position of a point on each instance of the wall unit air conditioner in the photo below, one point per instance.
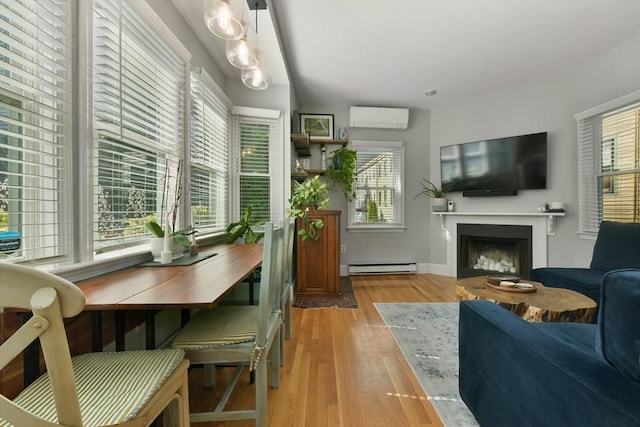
(379, 118)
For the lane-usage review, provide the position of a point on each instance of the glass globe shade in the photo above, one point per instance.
(242, 54)
(256, 78)
(224, 19)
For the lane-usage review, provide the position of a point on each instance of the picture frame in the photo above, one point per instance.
(318, 126)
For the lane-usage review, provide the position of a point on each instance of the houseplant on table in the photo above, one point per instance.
(437, 194)
(242, 228)
(342, 171)
(166, 237)
(307, 198)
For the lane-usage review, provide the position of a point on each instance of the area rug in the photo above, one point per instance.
(346, 299)
(427, 334)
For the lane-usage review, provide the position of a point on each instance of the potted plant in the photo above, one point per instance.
(242, 228)
(172, 196)
(307, 198)
(341, 171)
(429, 189)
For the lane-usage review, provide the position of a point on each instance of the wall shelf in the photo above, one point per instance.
(301, 176)
(302, 143)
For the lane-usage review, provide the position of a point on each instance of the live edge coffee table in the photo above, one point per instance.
(544, 305)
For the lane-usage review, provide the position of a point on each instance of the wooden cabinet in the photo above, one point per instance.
(318, 261)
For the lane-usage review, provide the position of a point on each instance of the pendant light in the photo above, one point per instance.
(242, 53)
(225, 18)
(256, 78)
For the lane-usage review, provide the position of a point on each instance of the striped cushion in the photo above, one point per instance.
(112, 387)
(219, 326)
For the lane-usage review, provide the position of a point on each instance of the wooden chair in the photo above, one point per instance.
(287, 283)
(242, 335)
(95, 389)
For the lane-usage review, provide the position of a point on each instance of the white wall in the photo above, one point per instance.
(411, 244)
(547, 105)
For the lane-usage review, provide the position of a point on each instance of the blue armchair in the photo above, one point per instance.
(617, 247)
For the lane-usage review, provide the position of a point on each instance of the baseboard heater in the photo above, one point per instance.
(384, 268)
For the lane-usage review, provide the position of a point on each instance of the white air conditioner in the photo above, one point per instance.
(379, 118)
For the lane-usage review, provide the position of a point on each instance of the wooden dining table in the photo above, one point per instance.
(155, 287)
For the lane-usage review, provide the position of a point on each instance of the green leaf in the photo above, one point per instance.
(182, 240)
(154, 228)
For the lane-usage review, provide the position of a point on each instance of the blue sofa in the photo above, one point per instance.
(554, 374)
(617, 246)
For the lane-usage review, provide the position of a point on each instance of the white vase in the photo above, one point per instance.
(157, 245)
(439, 204)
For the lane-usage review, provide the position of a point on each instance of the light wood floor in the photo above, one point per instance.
(342, 366)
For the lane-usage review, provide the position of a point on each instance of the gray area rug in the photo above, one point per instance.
(427, 334)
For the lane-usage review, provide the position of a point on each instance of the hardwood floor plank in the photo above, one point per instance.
(342, 366)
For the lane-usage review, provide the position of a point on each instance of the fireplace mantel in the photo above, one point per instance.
(551, 224)
(542, 223)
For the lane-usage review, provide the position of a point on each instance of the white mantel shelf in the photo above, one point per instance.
(551, 225)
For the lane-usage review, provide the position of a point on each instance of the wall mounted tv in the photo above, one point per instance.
(496, 167)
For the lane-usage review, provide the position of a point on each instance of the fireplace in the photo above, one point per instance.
(494, 249)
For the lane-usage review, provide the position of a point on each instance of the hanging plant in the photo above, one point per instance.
(341, 172)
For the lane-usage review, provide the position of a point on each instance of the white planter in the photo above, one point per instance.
(439, 205)
(157, 245)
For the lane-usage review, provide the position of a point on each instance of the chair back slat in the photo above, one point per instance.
(289, 239)
(50, 298)
(18, 283)
(270, 282)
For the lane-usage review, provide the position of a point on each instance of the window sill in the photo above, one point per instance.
(376, 228)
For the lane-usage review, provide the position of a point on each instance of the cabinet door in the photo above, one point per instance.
(318, 261)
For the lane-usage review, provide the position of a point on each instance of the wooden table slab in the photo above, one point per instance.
(544, 305)
(198, 285)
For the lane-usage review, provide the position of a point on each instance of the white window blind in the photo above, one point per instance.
(259, 165)
(210, 116)
(35, 126)
(139, 79)
(379, 186)
(609, 170)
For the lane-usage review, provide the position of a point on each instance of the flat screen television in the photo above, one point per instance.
(496, 166)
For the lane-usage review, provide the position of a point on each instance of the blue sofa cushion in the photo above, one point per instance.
(617, 246)
(583, 280)
(532, 374)
(618, 338)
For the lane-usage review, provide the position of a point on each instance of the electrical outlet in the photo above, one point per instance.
(343, 249)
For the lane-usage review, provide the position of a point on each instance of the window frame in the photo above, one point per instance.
(176, 152)
(590, 139)
(40, 109)
(398, 148)
(273, 118)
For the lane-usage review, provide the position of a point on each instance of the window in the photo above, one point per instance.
(139, 76)
(259, 163)
(379, 186)
(609, 155)
(35, 127)
(209, 154)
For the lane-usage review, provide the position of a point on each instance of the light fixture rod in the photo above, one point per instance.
(257, 4)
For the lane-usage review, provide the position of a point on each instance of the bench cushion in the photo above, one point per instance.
(112, 387)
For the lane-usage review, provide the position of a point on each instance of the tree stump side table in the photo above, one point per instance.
(544, 305)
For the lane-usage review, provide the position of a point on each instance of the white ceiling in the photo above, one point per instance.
(390, 52)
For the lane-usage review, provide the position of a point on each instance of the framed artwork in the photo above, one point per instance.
(318, 126)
